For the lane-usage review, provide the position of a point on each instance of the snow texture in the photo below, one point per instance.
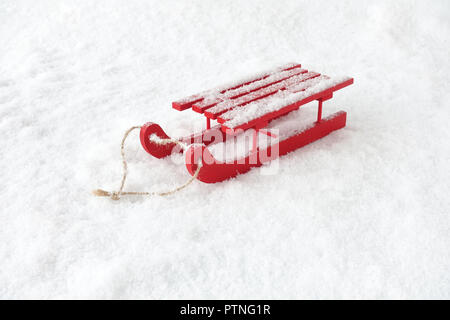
(362, 213)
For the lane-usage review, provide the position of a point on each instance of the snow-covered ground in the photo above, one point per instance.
(363, 213)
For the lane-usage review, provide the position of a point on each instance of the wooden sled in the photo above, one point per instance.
(250, 104)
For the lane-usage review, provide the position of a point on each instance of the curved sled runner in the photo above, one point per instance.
(151, 134)
(250, 104)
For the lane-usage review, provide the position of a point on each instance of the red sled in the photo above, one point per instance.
(250, 105)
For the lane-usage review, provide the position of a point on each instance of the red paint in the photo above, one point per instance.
(319, 111)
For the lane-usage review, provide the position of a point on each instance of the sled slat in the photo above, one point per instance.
(213, 100)
(261, 104)
(188, 102)
(250, 104)
(227, 105)
(279, 104)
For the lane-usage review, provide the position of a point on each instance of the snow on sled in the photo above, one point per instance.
(250, 106)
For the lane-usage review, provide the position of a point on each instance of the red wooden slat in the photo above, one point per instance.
(261, 93)
(286, 109)
(187, 103)
(204, 105)
(299, 87)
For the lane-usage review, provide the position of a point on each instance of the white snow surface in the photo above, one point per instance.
(362, 213)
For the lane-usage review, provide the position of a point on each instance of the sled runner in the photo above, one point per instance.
(250, 105)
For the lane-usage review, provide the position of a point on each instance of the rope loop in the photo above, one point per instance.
(116, 195)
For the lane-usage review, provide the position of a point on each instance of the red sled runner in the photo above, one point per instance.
(250, 105)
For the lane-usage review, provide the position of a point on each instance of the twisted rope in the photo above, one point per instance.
(115, 195)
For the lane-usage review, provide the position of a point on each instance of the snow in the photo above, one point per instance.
(362, 213)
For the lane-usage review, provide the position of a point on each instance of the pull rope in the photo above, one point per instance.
(115, 195)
